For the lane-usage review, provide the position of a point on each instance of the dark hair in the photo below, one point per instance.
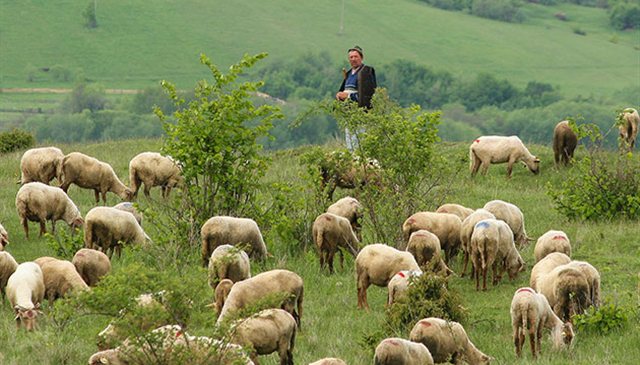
(357, 49)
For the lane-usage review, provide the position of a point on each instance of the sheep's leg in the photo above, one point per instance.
(206, 254)
(25, 226)
(43, 228)
(477, 273)
(53, 226)
(539, 337)
(484, 277)
(532, 340)
(465, 262)
(147, 190)
(485, 166)
(363, 284)
(330, 260)
(510, 168)
(517, 339)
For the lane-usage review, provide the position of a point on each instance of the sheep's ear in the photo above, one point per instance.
(536, 159)
(103, 360)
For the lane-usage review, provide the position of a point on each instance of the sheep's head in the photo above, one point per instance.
(27, 317)
(534, 165)
(4, 240)
(567, 333)
(128, 195)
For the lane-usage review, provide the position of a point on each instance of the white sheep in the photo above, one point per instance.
(486, 150)
(92, 265)
(25, 290)
(266, 332)
(263, 285)
(41, 164)
(393, 351)
(60, 278)
(330, 233)
(630, 120)
(129, 207)
(567, 290)
(90, 173)
(107, 227)
(511, 214)
(39, 202)
(220, 230)
(466, 230)
(461, 211)
(545, 265)
(444, 225)
(399, 284)
(4, 238)
(552, 241)
(593, 278)
(447, 340)
(8, 266)
(221, 294)
(227, 262)
(565, 141)
(376, 264)
(153, 169)
(531, 311)
(351, 209)
(329, 361)
(425, 247)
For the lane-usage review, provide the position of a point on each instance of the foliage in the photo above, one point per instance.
(64, 244)
(450, 4)
(485, 90)
(503, 10)
(89, 15)
(150, 98)
(602, 320)
(84, 95)
(15, 140)
(624, 15)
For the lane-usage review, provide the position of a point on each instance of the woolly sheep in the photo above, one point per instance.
(531, 310)
(43, 260)
(461, 211)
(39, 202)
(356, 175)
(492, 245)
(330, 233)
(593, 278)
(266, 332)
(630, 119)
(92, 265)
(486, 150)
(545, 265)
(567, 290)
(107, 227)
(268, 283)
(129, 207)
(329, 361)
(60, 278)
(376, 264)
(552, 241)
(447, 340)
(351, 209)
(466, 230)
(511, 214)
(222, 293)
(227, 262)
(4, 238)
(90, 173)
(565, 141)
(392, 351)
(399, 284)
(25, 290)
(425, 247)
(444, 225)
(221, 230)
(41, 165)
(153, 169)
(8, 266)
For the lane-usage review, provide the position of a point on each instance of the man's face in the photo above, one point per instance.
(354, 59)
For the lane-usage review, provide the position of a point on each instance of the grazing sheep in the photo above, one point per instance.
(4, 238)
(486, 150)
(511, 214)
(90, 173)
(221, 230)
(25, 290)
(106, 228)
(129, 207)
(399, 284)
(545, 265)
(43, 260)
(492, 245)
(447, 340)
(531, 311)
(41, 165)
(398, 351)
(61, 277)
(444, 225)
(8, 266)
(351, 209)
(552, 241)
(221, 293)
(593, 278)
(228, 262)
(466, 230)
(567, 290)
(329, 361)
(266, 284)
(565, 141)
(153, 169)
(630, 119)
(425, 247)
(38, 202)
(266, 332)
(377, 264)
(92, 265)
(330, 233)
(461, 211)
(336, 172)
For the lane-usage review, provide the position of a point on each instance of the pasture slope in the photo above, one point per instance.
(332, 326)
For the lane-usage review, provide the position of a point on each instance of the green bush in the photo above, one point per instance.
(503, 10)
(625, 15)
(602, 320)
(64, 244)
(85, 96)
(15, 140)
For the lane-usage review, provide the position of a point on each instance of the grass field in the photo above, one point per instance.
(332, 326)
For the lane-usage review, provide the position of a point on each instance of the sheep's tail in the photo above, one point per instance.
(134, 180)
(472, 157)
(299, 307)
(524, 314)
(483, 252)
(60, 170)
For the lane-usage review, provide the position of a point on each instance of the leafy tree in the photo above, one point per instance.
(85, 96)
(409, 83)
(486, 89)
(625, 15)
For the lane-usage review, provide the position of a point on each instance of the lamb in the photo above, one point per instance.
(107, 227)
(90, 173)
(129, 207)
(486, 150)
(377, 264)
(42, 165)
(331, 232)
(4, 238)
(565, 141)
(447, 340)
(425, 247)
(630, 119)
(461, 211)
(60, 278)
(329, 361)
(221, 230)
(444, 225)
(531, 310)
(222, 293)
(466, 230)
(266, 332)
(593, 278)
(545, 265)
(351, 209)
(25, 290)
(552, 241)
(492, 245)
(266, 284)
(92, 265)
(153, 169)
(228, 262)
(567, 290)
(511, 214)
(392, 351)
(39, 202)
(8, 266)
(399, 284)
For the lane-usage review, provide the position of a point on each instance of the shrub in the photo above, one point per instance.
(503, 10)
(602, 320)
(65, 245)
(15, 140)
(625, 15)
(85, 96)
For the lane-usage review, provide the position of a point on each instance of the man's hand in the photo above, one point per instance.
(341, 95)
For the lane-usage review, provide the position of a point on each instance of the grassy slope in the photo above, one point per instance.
(138, 43)
(331, 324)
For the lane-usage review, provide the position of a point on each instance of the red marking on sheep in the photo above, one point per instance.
(393, 342)
(559, 237)
(476, 141)
(178, 334)
(525, 290)
(328, 218)
(425, 323)
(401, 274)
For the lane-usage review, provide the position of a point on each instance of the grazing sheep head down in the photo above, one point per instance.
(27, 316)
(567, 333)
(533, 166)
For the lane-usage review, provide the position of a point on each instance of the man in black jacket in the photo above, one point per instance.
(359, 83)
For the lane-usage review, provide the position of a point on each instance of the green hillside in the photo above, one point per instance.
(138, 42)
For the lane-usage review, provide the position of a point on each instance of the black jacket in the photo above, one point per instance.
(366, 85)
